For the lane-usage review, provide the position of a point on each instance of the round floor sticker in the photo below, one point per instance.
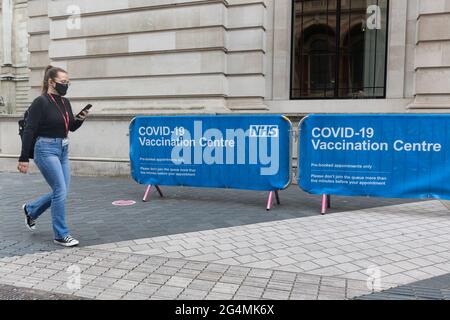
(124, 203)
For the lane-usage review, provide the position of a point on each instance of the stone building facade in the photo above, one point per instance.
(130, 57)
(14, 73)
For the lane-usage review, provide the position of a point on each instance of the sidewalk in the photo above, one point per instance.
(14, 293)
(220, 244)
(437, 288)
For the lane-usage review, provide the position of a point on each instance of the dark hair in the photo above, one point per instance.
(50, 73)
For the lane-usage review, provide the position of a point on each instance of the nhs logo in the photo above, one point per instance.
(264, 131)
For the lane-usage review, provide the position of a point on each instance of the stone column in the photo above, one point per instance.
(7, 15)
(282, 11)
(7, 85)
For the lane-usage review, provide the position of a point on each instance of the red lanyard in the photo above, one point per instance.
(66, 116)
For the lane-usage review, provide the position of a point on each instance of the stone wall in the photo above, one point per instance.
(14, 73)
(130, 57)
(218, 56)
(432, 57)
(153, 56)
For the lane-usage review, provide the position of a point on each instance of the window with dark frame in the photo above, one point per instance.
(339, 49)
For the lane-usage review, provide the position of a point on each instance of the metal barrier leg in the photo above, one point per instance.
(269, 201)
(159, 191)
(324, 204)
(277, 196)
(328, 201)
(147, 192)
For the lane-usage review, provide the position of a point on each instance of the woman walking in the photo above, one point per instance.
(49, 120)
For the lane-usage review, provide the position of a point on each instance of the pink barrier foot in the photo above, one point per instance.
(147, 192)
(324, 204)
(269, 201)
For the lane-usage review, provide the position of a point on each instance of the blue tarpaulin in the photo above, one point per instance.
(395, 156)
(240, 152)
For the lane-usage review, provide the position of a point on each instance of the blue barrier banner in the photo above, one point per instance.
(239, 152)
(394, 156)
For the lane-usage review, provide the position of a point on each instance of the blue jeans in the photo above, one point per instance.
(52, 159)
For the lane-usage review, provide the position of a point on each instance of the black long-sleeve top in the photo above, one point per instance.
(46, 120)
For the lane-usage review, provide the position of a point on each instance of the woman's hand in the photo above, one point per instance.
(23, 167)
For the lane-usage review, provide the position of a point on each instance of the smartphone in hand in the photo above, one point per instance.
(87, 108)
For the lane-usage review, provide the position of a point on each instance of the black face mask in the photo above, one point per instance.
(61, 88)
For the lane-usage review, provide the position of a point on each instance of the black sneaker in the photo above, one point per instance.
(29, 222)
(67, 242)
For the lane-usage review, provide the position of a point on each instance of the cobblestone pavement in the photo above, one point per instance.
(15, 293)
(220, 244)
(94, 220)
(402, 241)
(114, 275)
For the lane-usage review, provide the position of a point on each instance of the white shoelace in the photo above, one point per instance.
(68, 239)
